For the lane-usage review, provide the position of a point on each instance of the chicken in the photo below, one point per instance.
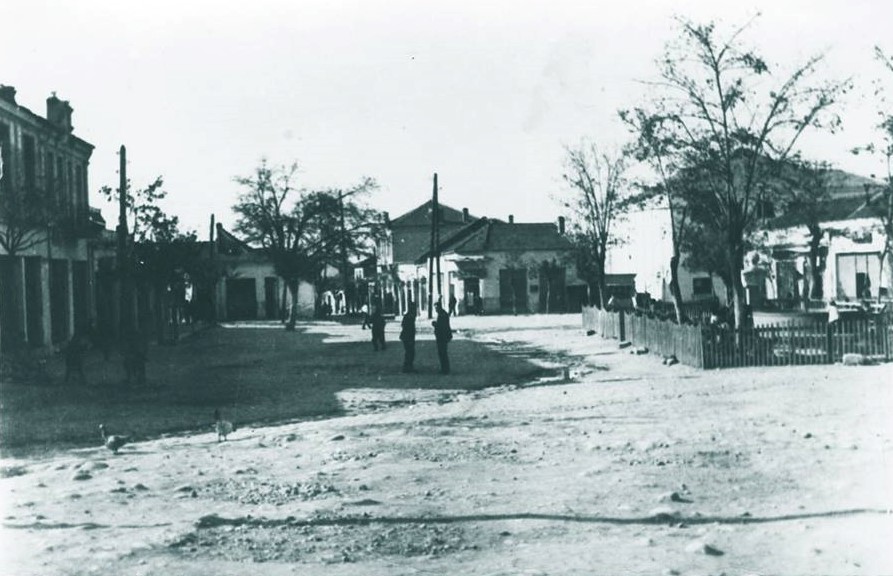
(114, 441)
(223, 427)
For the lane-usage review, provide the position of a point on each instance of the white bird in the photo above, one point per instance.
(223, 427)
(114, 441)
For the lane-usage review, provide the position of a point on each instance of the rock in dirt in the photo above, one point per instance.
(699, 547)
(590, 332)
(337, 438)
(82, 475)
(625, 344)
(853, 359)
(641, 350)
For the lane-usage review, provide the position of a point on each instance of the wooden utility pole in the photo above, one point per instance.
(125, 314)
(212, 240)
(433, 248)
(437, 219)
(344, 279)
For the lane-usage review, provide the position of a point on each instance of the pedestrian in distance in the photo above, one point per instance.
(442, 336)
(377, 322)
(831, 329)
(453, 303)
(367, 319)
(407, 336)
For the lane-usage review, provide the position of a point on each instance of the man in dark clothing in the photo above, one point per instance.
(377, 324)
(453, 303)
(442, 335)
(407, 336)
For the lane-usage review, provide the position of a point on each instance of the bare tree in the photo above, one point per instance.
(598, 193)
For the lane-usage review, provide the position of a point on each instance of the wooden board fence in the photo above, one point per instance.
(789, 344)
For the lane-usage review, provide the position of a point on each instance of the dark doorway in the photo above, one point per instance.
(552, 288)
(472, 296)
(81, 293)
(513, 290)
(241, 299)
(271, 293)
(35, 301)
(59, 311)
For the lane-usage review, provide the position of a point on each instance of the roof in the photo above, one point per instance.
(487, 235)
(25, 113)
(837, 209)
(421, 216)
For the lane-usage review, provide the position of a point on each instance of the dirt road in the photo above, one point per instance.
(629, 468)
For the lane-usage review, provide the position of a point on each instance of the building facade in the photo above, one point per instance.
(46, 289)
(486, 265)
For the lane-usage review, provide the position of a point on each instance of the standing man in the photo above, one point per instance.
(407, 336)
(442, 335)
(833, 318)
(453, 303)
(377, 324)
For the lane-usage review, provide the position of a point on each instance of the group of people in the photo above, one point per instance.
(443, 333)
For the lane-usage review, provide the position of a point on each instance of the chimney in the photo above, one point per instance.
(561, 225)
(8, 93)
(465, 215)
(59, 112)
(511, 218)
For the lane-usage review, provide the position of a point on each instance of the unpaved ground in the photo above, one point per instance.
(631, 468)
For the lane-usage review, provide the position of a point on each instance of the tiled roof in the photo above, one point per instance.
(847, 200)
(495, 236)
(421, 216)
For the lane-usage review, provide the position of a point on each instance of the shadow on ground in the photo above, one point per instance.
(253, 375)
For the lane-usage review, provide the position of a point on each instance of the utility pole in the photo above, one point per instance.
(125, 323)
(212, 240)
(437, 219)
(343, 248)
(432, 250)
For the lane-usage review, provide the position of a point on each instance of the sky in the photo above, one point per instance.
(486, 94)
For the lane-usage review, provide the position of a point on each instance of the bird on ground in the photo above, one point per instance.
(114, 441)
(223, 427)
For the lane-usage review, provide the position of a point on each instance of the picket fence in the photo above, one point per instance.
(705, 346)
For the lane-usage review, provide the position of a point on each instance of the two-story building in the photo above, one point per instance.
(45, 223)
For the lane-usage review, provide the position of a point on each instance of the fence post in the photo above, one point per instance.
(622, 326)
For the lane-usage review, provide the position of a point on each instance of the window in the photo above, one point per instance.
(702, 286)
(5, 154)
(29, 157)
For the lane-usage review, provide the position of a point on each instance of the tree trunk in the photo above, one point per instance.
(816, 272)
(675, 291)
(601, 281)
(293, 311)
(739, 297)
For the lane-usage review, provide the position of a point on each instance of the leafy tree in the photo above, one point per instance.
(301, 230)
(676, 182)
(803, 188)
(157, 253)
(722, 111)
(880, 201)
(599, 193)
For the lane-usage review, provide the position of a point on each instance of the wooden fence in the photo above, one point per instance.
(774, 345)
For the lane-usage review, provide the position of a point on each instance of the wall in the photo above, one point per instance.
(644, 248)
